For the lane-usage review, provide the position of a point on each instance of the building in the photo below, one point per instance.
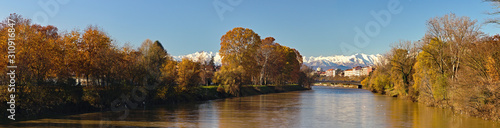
(349, 73)
(322, 74)
(331, 72)
(365, 71)
(358, 71)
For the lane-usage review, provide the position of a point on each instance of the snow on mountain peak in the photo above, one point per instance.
(341, 61)
(325, 62)
(201, 56)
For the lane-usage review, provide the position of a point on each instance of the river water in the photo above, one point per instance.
(319, 107)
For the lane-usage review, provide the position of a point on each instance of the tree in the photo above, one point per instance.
(491, 53)
(292, 61)
(169, 72)
(188, 74)
(481, 57)
(169, 76)
(431, 71)
(496, 4)
(42, 48)
(402, 61)
(455, 32)
(42, 55)
(36, 50)
(444, 49)
(232, 78)
(238, 48)
(153, 57)
(168, 79)
(264, 55)
(306, 76)
(286, 65)
(23, 55)
(93, 44)
(379, 80)
(68, 53)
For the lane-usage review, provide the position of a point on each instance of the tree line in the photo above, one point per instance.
(454, 65)
(60, 67)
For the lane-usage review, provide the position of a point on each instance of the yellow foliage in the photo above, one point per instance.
(238, 48)
(169, 72)
(188, 74)
(493, 69)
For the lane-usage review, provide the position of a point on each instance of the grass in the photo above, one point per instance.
(210, 87)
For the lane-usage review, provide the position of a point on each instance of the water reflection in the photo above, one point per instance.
(340, 107)
(263, 111)
(320, 107)
(405, 114)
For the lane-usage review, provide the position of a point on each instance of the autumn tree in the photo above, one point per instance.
(477, 92)
(42, 46)
(188, 74)
(169, 71)
(41, 56)
(238, 48)
(493, 60)
(37, 51)
(484, 57)
(288, 66)
(443, 49)
(279, 64)
(169, 76)
(402, 61)
(455, 32)
(379, 81)
(127, 68)
(153, 58)
(24, 51)
(93, 44)
(232, 77)
(264, 56)
(67, 54)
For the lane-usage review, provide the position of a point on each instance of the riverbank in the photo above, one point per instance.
(339, 85)
(487, 110)
(61, 101)
(204, 93)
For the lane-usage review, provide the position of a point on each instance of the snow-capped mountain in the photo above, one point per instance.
(341, 61)
(201, 57)
(325, 62)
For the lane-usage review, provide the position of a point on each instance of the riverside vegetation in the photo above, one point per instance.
(454, 65)
(84, 71)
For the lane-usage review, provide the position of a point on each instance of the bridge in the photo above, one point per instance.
(349, 84)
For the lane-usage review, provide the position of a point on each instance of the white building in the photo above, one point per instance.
(358, 71)
(330, 72)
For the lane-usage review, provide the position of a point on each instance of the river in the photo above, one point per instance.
(319, 107)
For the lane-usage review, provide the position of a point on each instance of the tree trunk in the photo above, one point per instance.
(262, 71)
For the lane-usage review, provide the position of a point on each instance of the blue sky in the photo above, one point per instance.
(320, 27)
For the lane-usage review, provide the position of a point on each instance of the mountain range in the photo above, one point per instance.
(324, 62)
(341, 61)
